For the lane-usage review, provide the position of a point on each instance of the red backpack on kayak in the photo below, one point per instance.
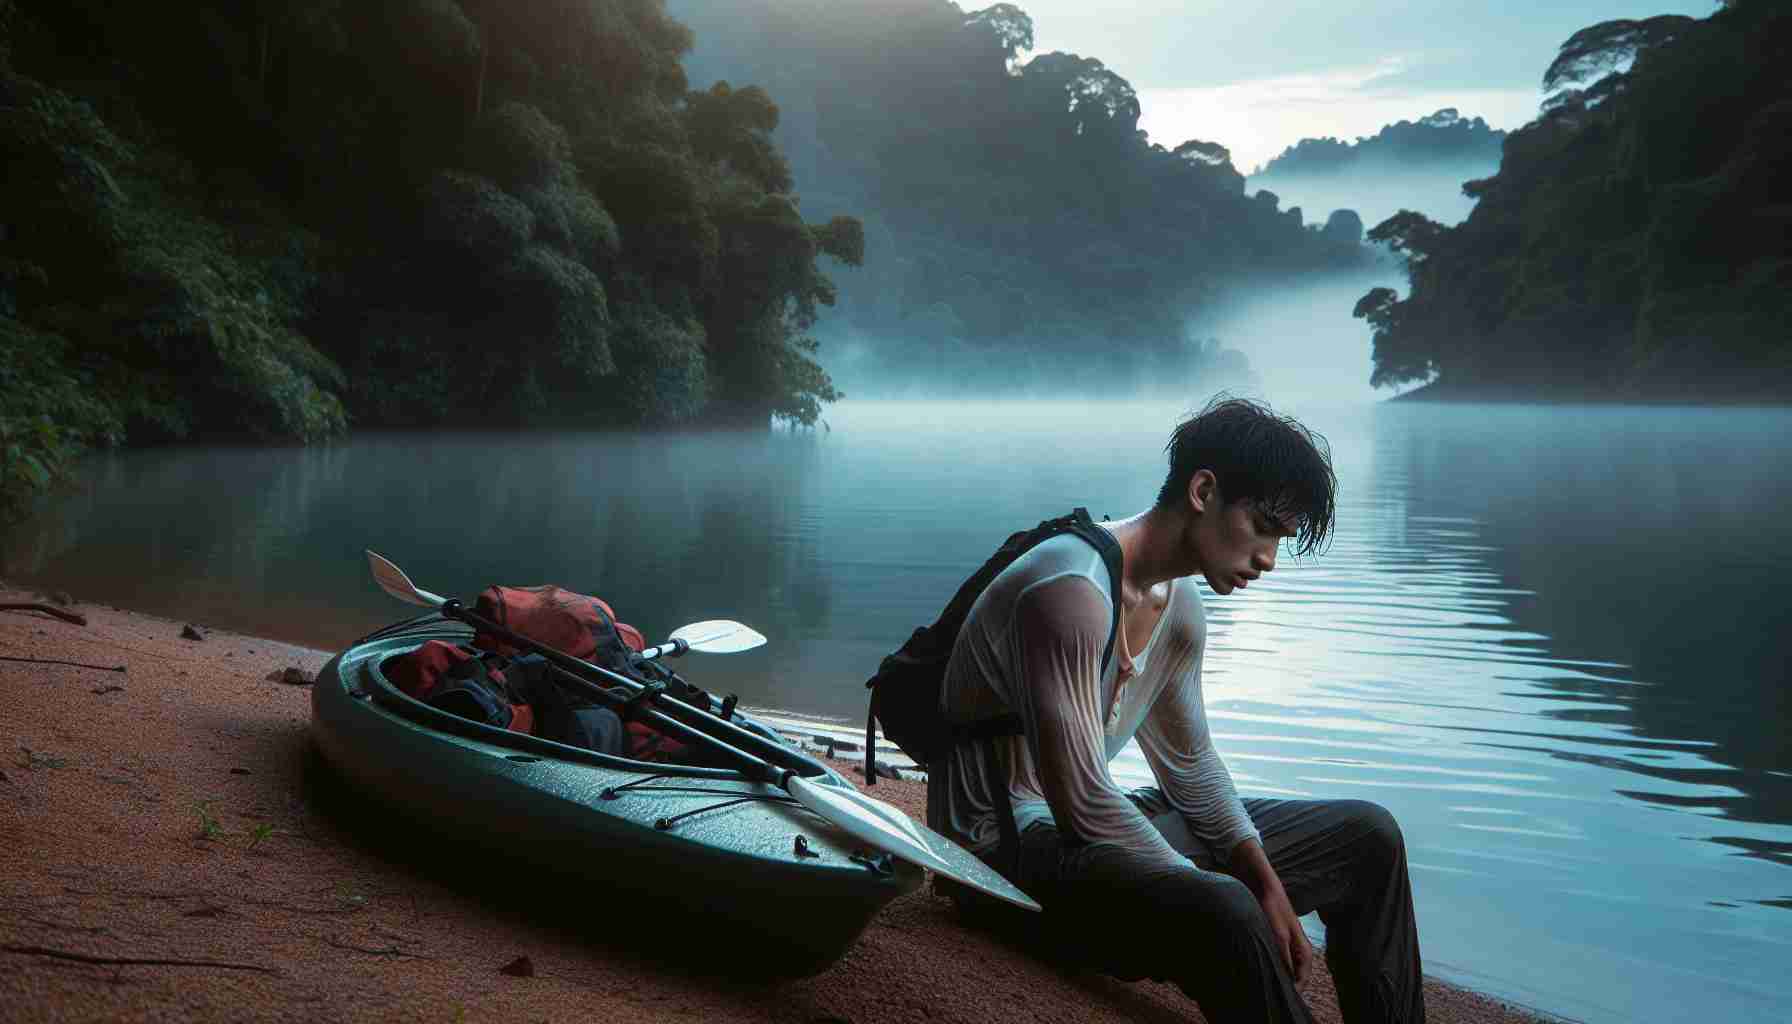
(586, 628)
(492, 683)
(582, 626)
(464, 683)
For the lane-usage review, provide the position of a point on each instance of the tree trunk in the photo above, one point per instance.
(479, 83)
(261, 73)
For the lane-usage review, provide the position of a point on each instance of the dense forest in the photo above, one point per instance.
(1409, 165)
(1015, 215)
(268, 220)
(1636, 241)
(271, 221)
(1445, 137)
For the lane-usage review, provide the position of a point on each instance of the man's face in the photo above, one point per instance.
(1234, 542)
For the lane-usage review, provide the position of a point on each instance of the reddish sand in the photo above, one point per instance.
(278, 914)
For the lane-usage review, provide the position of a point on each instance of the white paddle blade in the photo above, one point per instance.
(719, 636)
(888, 829)
(393, 581)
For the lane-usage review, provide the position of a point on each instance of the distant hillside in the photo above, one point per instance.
(1410, 165)
(1445, 137)
(1011, 205)
(1636, 241)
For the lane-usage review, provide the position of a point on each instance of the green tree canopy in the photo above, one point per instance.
(1632, 242)
(1008, 27)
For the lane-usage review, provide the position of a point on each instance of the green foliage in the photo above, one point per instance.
(441, 197)
(842, 238)
(1635, 241)
(1009, 28)
(801, 404)
(573, 221)
(59, 156)
(1094, 101)
(1412, 235)
(562, 311)
(203, 308)
(47, 414)
(209, 827)
(661, 377)
(258, 833)
(1397, 359)
(408, 369)
(131, 309)
(475, 216)
(1603, 47)
(732, 128)
(517, 146)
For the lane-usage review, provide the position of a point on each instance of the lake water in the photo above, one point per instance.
(1554, 642)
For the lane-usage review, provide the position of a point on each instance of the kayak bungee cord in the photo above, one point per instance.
(665, 824)
(399, 628)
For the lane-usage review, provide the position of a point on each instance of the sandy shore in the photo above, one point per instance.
(162, 856)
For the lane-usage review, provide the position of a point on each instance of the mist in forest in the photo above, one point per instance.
(1377, 191)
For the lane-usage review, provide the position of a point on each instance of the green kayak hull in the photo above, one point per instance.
(733, 865)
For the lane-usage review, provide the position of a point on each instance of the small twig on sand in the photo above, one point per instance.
(387, 951)
(60, 926)
(290, 907)
(63, 954)
(77, 664)
(72, 617)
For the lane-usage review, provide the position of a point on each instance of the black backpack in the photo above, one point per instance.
(905, 692)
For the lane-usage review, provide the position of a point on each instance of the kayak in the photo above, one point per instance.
(734, 864)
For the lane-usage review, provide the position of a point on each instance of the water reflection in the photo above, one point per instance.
(1651, 540)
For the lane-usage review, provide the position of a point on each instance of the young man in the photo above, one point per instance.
(1182, 881)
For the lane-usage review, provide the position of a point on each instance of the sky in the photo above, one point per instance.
(1257, 78)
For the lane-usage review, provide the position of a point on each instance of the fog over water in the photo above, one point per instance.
(1303, 345)
(1553, 641)
(1377, 190)
(1285, 338)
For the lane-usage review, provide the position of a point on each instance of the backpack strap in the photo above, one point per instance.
(1008, 849)
(1112, 557)
(1078, 523)
(925, 646)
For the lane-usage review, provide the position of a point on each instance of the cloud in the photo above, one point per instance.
(1258, 118)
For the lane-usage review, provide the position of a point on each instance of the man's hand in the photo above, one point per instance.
(1291, 938)
(1251, 866)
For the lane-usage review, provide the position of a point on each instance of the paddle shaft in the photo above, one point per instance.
(726, 737)
(670, 650)
(755, 768)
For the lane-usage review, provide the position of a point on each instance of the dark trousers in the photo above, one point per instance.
(1206, 932)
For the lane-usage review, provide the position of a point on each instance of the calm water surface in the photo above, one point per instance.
(1552, 641)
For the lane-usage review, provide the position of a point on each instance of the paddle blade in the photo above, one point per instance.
(888, 829)
(719, 636)
(393, 581)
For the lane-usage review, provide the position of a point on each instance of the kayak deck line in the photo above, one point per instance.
(641, 785)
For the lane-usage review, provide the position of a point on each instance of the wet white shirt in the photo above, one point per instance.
(1032, 645)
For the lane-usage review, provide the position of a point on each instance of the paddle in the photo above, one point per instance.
(868, 820)
(716, 636)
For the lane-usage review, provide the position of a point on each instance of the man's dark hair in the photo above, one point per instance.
(1260, 457)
